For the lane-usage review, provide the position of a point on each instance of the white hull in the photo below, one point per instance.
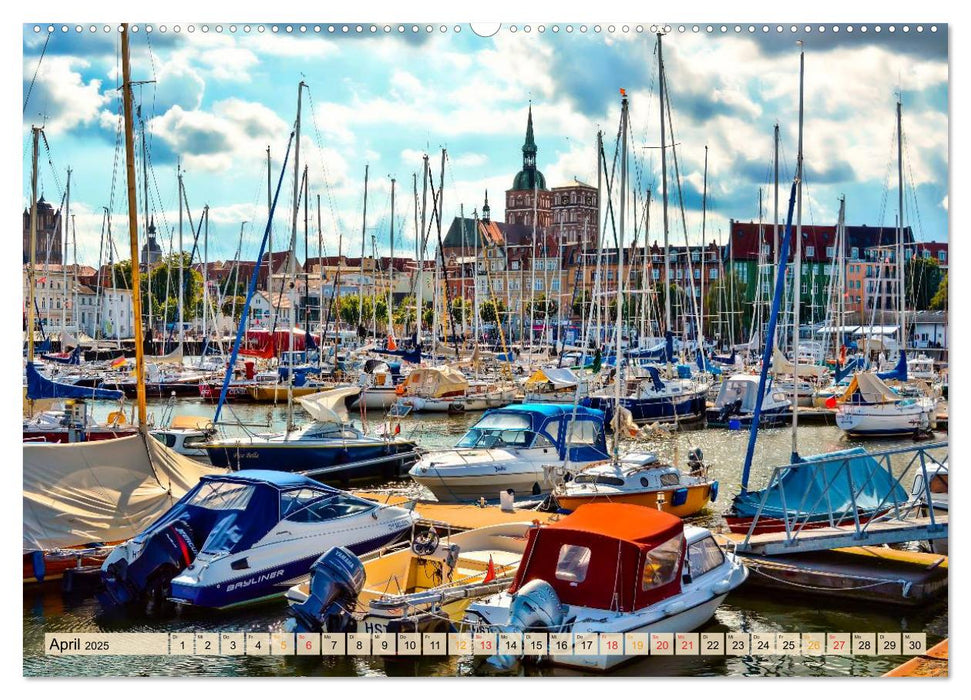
(525, 481)
(885, 419)
(459, 404)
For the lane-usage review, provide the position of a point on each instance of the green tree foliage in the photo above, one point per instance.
(939, 301)
(725, 308)
(492, 310)
(581, 304)
(544, 307)
(922, 279)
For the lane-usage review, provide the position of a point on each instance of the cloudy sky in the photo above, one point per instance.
(219, 99)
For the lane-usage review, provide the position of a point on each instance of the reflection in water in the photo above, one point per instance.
(744, 611)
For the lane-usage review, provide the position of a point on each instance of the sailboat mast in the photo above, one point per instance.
(391, 270)
(360, 281)
(181, 265)
(420, 242)
(31, 319)
(701, 306)
(64, 223)
(269, 208)
(620, 276)
(902, 317)
(148, 260)
(136, 292)
(205, 275)
(797, 271)
(666, 285)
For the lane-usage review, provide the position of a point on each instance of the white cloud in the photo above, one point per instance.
(60, 97)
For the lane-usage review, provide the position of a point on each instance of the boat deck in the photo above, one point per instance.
(459, 516)
(933, 664)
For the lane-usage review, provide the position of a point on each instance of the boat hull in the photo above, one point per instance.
(884, 420)
(651, 410)
(769, 418)
(459, 489)
(325, 462)
(697, 500)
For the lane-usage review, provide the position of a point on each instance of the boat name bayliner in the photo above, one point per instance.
(255, 579)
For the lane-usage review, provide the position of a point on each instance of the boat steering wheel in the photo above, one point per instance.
(425, 544)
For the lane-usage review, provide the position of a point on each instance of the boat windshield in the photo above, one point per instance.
(222, 495)
(501, 430)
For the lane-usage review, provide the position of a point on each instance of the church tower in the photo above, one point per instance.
(528, 184)
(486, 211)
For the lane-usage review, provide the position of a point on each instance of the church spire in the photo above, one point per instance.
(529, 177)
(486, 211)
(529, 147)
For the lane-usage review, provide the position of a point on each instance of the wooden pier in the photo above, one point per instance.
(460, 516)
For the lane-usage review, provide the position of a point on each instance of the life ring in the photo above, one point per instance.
(116, 418)
(400, 390)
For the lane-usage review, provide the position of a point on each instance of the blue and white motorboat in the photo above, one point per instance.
(241, 538)
(514, 448)
(329, 447)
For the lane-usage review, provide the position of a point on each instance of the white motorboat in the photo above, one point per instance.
(736, 402)
(611, 568)
(446, 390)
(513, 448)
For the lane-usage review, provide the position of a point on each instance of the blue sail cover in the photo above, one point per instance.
(413, 356)
(40, 387)
(849, 368)
(899, 372)
(806, 494)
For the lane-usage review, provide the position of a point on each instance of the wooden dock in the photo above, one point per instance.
(460, 516)
(873, 575)
(816, 539)
(933, 664)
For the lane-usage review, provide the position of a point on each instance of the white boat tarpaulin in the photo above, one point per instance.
(559, 377)
(781, 365)
(329, 406)
(101, 491)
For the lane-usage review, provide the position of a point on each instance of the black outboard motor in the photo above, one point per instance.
(730, 409)
(336, 579)
(141, 576)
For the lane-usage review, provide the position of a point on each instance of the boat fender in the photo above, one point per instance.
(40, 566)
(336, 580)
(679, 497)
(713, 492)
(734, 424)
(721, 587)
(675, 607)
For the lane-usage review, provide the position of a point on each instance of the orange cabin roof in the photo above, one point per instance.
(622, 521)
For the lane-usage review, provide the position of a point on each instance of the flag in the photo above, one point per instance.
(490, 571)
(41, 280)
(118, 361)
(623, 92)
(831, 402)
(842, 355)
(397, 429)
(391, 344)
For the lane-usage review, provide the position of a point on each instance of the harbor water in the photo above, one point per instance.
(747, 610)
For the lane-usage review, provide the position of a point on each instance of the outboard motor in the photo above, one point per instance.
(730, 409)
(141, 573)
(336, 579)
(696, 462)
(534, 608)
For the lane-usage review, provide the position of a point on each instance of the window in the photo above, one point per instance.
(695, 256)
(830, 250)
(942, 256)
(670, 480)
(599, 479)
(515, 264)
(703, 556)
(697, 273)
(713, 273)
(550, 264)
(539, 286)
(572, 564)
(582, 432)
(222, 495)
(655, 273)
(855, 253)
(555, 286)
(810, 251)
(661, 565)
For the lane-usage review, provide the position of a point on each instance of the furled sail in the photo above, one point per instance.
(40, 387)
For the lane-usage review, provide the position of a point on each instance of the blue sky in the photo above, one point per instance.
(383, 99)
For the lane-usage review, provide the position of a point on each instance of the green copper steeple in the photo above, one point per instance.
(529, 177)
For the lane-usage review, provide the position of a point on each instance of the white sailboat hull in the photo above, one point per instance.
(881, 420)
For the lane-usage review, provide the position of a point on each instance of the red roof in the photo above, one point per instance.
(619, 538)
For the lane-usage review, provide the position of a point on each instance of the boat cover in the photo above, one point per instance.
(434, 382)
(71, 358)
(619, 537)
(172, 358)
(329, 406)
(101, 491)
(868, 388)
(852, 366)
(559, 377)
(40, 387)
(899, 372)
(805, 488)
(781, 365)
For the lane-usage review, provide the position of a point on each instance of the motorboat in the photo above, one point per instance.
(378, 382)
(611, 568)
(422, 588)
(921, 367)
(654, 399)
(737, 399)
(328, 447)
(932, 495)
(513, 448)
(826, 489)
(242, 538)
(187, 435)
(870, 408)
(557, 385)
(642, 479)
(445, 389)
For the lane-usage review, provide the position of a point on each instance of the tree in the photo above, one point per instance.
(458, 304)
(544, 307)
(229, 308)
(491, 310)
(581, 304)
(939, 302)
(922, 278)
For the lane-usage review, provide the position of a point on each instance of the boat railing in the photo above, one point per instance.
(798, 518)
